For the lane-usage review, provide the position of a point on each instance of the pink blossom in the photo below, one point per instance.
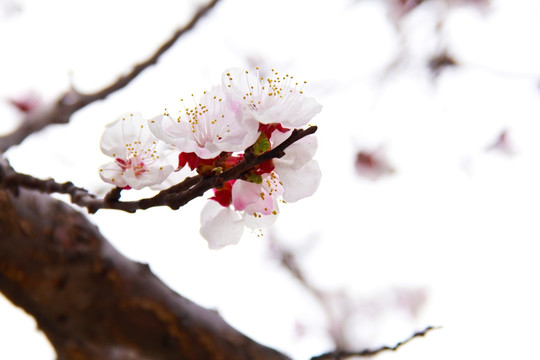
(139, 157)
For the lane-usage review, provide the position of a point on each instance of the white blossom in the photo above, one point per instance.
(209, 128)
(268, 100)
(139, 157)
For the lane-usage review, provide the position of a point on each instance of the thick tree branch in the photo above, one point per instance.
(341, 355)
(174, 197)
(92, 302)
(71, 101)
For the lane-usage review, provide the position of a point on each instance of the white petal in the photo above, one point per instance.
(110, 173)
(297, 154)
(175, 177)
(156, 175)
(278, 113)
(113, 174)
(172, 132)
(291, 113)
(309, 107)
(220, 226)
(299, 183)
(124, 129)
(239, 136)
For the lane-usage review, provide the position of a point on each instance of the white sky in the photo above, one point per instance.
(454, 220)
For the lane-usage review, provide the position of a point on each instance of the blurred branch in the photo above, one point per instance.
(440, 62)
(341, 355)
(337, 310)
(335, 323)
(174, 197)
(71, 101)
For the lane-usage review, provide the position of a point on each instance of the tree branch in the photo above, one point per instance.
(341, 355)
(94, 303)
(72, 101)
(174, 197)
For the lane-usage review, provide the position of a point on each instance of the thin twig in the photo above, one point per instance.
(341, 355)
(174, 197)
(71, 101)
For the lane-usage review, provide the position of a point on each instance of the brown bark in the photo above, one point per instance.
(94, 303)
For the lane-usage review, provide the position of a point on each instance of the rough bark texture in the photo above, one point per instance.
(94, 303)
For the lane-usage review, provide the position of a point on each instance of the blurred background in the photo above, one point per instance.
(428, 211)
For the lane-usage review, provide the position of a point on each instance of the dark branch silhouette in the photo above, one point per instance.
(341, 355)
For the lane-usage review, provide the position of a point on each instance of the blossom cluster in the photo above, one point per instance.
(246, 111)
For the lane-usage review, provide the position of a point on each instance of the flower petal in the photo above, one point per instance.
(155, 176)
(258, 221)
(175, 177)
(172, 132)
(299, 183)
(251, 197)
(293, 113)
(125, 128)
(220, 226)
(297, 154)
(111, 173)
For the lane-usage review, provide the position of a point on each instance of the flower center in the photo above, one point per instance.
(138, 156)
(135, 164)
